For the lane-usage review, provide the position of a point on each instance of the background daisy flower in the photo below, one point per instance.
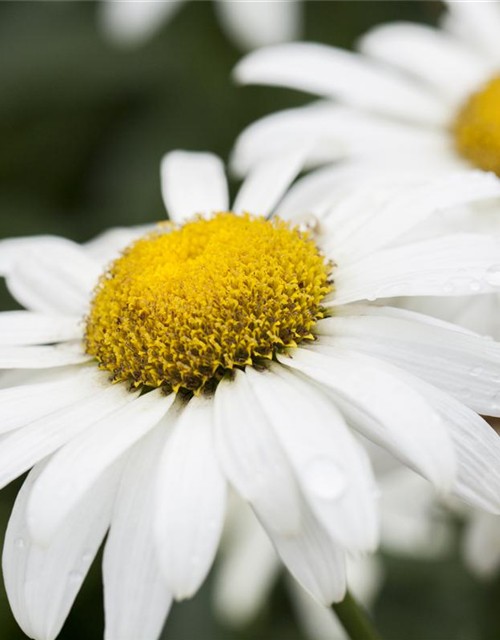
(415, 94)
(283, 424)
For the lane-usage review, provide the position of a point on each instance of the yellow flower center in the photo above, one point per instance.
(185, 304)
(477, 128)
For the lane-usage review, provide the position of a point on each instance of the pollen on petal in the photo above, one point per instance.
(185, 304)
(477, 128)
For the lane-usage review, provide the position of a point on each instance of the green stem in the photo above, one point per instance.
(354, 620)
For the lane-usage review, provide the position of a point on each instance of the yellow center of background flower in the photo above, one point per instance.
(477, 128)
(185, 304)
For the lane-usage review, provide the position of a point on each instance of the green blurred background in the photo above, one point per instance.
(83, 125)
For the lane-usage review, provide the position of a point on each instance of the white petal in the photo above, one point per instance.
(136, 597)
(318, 191)
(15, 250)
(134, 21)
(326, 132)
(463, 364)
(17, 377)
(313, 558)
(364, 577)
(336, 73)
(452, 68)
(482, 545)
(266, 184)
(387, 223)
(42, 357)
(452, 265)
(23, 404)
(317, 621)
(42, 584)
(481, 23)
(252, 457)
(193, 183)
(412, 524)
(191, 497)
(331, 470)
(477, 449)
(25, 328)
(55, 280)
(257, 24)
(246, 572)
(21, 449)
(328, 192)
(76, 467)
(376, 402)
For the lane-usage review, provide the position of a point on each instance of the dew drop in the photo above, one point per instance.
(492, 276)
(325, 478)
(19, 543)
(75, 576)
(476, 371)
(87, 556)
(495, 402)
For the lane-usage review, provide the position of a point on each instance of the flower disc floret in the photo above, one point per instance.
(477, 128)
(185, 304)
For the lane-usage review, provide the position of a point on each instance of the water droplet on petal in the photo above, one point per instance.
(476, 371)
(495, 402)
(87, 556)
(492, 276)
(19, 543)
(75, 576)
(325, 478)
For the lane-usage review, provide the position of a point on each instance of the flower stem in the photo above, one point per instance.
(354, 620)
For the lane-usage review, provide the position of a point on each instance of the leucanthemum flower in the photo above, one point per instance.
(413, 94)
(152, 367)
(249, 24)
(415, 102)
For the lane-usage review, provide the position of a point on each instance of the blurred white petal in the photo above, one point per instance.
(131, 22)
(256, 23)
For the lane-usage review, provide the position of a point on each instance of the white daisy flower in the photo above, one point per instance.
(241, 351)
(413, 94)
(248, 23)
